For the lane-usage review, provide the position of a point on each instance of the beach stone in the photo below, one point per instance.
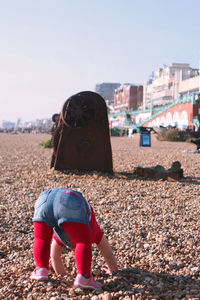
(106, 296)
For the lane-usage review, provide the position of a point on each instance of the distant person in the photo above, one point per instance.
(55, 119)
(197, 143)
(66, 216)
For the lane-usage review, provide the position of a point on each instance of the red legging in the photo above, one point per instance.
(80, 235)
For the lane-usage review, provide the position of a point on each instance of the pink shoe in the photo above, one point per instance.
(87, 283)
(39, 274)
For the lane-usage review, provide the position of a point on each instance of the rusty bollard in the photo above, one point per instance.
(82, 140)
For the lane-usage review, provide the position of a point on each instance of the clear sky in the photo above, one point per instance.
(52, 49)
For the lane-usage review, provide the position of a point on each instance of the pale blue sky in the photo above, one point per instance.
(51, 49)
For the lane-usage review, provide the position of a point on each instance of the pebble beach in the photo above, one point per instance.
(152, 225)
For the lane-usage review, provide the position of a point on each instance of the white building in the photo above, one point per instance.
(189, 86)
(163, 88)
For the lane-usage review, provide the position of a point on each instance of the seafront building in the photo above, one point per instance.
(107, 90)
(165, 86)
(171, 97)
(128, 97)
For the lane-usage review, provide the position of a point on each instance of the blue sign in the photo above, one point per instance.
(145, 139)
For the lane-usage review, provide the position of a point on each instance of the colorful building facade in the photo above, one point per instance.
(183, 114)
(128, 98)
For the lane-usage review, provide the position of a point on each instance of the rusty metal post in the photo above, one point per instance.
(82, 139)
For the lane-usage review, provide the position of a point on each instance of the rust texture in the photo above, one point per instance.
(82, 140)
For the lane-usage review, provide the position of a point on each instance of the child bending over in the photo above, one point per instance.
(66, 216)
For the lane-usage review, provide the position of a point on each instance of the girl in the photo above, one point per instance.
(66, 216)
